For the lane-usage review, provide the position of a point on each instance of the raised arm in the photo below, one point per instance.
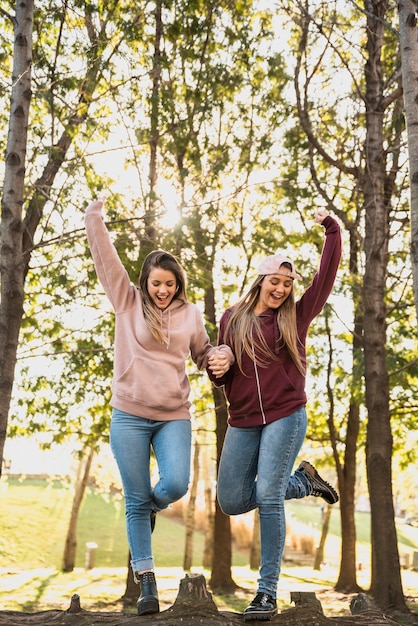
(316, 295)
(109, 269)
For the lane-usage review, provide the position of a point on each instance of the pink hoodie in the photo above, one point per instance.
(149, 378)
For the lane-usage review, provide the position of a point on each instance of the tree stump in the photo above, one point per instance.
(194, 593)
(306, 599)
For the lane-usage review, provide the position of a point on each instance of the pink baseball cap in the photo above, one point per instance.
(274, 265)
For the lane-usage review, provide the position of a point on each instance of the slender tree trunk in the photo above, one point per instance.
(83, 473)
(209, 517)
(386, 584)
(255, 552)
(12, 264)
(347, 577)
(221, 577)
(319, 554)
(188, 549)
(149, 240)
(347, 473)
(409, 55)
(131, 592)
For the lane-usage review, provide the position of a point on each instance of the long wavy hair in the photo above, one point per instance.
(166, 261)
(243, 330)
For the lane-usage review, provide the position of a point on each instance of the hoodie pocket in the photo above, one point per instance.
(151, 383)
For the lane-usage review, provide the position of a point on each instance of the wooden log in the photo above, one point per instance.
(194, 606)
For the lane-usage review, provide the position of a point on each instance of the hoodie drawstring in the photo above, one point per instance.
(168, 326)
(260, 400)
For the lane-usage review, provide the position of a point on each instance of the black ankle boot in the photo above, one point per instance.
(263, 607)
(148, 598)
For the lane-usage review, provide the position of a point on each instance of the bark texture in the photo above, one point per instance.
(409, 54)
(378, 188)
(12, 265)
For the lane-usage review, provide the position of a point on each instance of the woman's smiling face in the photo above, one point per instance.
(161, 285)
(274, 290)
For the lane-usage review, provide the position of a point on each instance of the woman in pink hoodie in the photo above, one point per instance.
(156, 330)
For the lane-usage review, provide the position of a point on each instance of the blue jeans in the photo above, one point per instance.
(131, 439)
(255, 472)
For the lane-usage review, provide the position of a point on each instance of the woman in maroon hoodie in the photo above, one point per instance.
(265, 389)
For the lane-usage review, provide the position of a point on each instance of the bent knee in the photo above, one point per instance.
(176, 491)
(227, 506)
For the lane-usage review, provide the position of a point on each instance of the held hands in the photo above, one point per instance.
(218, 364)
(321, 215)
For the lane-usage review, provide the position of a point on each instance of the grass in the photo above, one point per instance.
(310, 515)
(34, 516)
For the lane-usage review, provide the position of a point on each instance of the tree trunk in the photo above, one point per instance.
(409, 55)
(83, 473)
(131, 592)
(347, 581)
(319, 554)
(221, 578)
(386, 584)
(149, 240)
(209, 517)
(188, 549)
(347, 577)
(255, 552)
(12, 266)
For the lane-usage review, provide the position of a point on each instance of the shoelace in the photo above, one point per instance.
(324, 488)
(261, 597)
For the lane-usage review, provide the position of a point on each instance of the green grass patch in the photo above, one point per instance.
(310, 515)
(34, 519)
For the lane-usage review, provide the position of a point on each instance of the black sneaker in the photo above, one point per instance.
(320, 487)
(263, 607)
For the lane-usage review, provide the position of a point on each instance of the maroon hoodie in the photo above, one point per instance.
(262, 395)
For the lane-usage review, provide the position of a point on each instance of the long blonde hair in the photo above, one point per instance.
(243, 330)
(152, 315)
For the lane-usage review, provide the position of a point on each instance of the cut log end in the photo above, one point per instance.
(193, 592)
(306, 599)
